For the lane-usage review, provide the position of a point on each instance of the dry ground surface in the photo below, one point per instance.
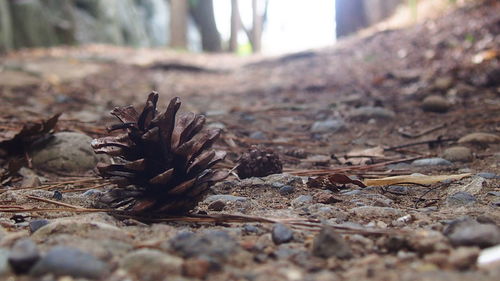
(368, 108)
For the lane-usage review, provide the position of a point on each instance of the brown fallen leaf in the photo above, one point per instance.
(332, 182)
(415, 179)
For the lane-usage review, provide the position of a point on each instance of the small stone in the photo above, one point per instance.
(302, 200)
(258, 135)
(463, 257)
(281, 234)
(398, 189)
(37, 224)
(4, 262)
(461, 198)
(23, 255)
(68, 261)
(250, 229)
(217, 205)
(479, 138)
(65, 152)
(369, 112)
(31, 181)
(469, 232)
(436, 161)
(195, 268)
(213, 245)
(148, 264)
(225, 198)
(487, 175)
(328, 126)
(328, 243)
(458, 154)
(435, 104)
(57, 195)
(376, 212)
(325, 198)
(286, 189)
(443, 83)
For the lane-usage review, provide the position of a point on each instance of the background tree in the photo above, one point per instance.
(203, 15)
(178, 23)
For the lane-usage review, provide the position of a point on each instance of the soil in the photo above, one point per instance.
(277, 103)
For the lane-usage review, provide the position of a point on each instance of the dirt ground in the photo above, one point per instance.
(368, 108)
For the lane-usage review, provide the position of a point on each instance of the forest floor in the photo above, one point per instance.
(425, 99)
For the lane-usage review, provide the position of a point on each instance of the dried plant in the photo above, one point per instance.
(162, 163)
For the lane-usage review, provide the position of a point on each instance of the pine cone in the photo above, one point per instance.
(161, 163)
(259, 162)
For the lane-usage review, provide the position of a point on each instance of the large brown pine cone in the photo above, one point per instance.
(259, 162)
(161, 163)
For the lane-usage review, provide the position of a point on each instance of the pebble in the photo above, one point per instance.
(325, 198)
(435, 103)
(328, 126)
(65, 152)
(258, 135)
(23, 255)
(281, 234)
(460, 198)
(250, 229)
(4, 262)
(328, 243)
(369, 112)
(479, 138)
(149, 264)
(68, 261)
(469, 232)
(301, 201)
(376, 212)
(213, 245)
(436, 161)
(225, 198)
(486, 175)
(399, 189)
(286, 189)
(463, 257)
(458, 154)
(37, 224)
(217, 205)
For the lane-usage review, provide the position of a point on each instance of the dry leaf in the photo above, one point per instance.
(416, 179)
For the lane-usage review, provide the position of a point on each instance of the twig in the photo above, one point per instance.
(438, 140)
(422, 133)
(52, 202)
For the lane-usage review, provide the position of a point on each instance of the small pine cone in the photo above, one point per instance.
(259, 162)
(161, 163)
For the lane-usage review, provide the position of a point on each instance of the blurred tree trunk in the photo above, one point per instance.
(235, 26)
(6, 40)
(178, 23)
(257, 27)
(353, 15)
(203, 15)
(350, 16)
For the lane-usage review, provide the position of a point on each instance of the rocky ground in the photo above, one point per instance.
(420, 100)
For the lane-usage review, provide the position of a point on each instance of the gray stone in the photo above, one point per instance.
(368, 112)
(250, 229)
(217, 205)
(436, 161)
(37, 224)
(474, 187)
(281, 234)
(399, 189)
(461, 198)
(435, 104)
(468, 232)
(258, 135)
(328, 243)
(23, 255)
(68, 261)
(66, 152)
(214, 246)
(286, 189)
(479, 138)
(487, 175)
(225, 198)
(328, 126)
(148, 264)
(458, 154)
(302, 200)
(351, 192)
(4, 262)
(376, 212)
